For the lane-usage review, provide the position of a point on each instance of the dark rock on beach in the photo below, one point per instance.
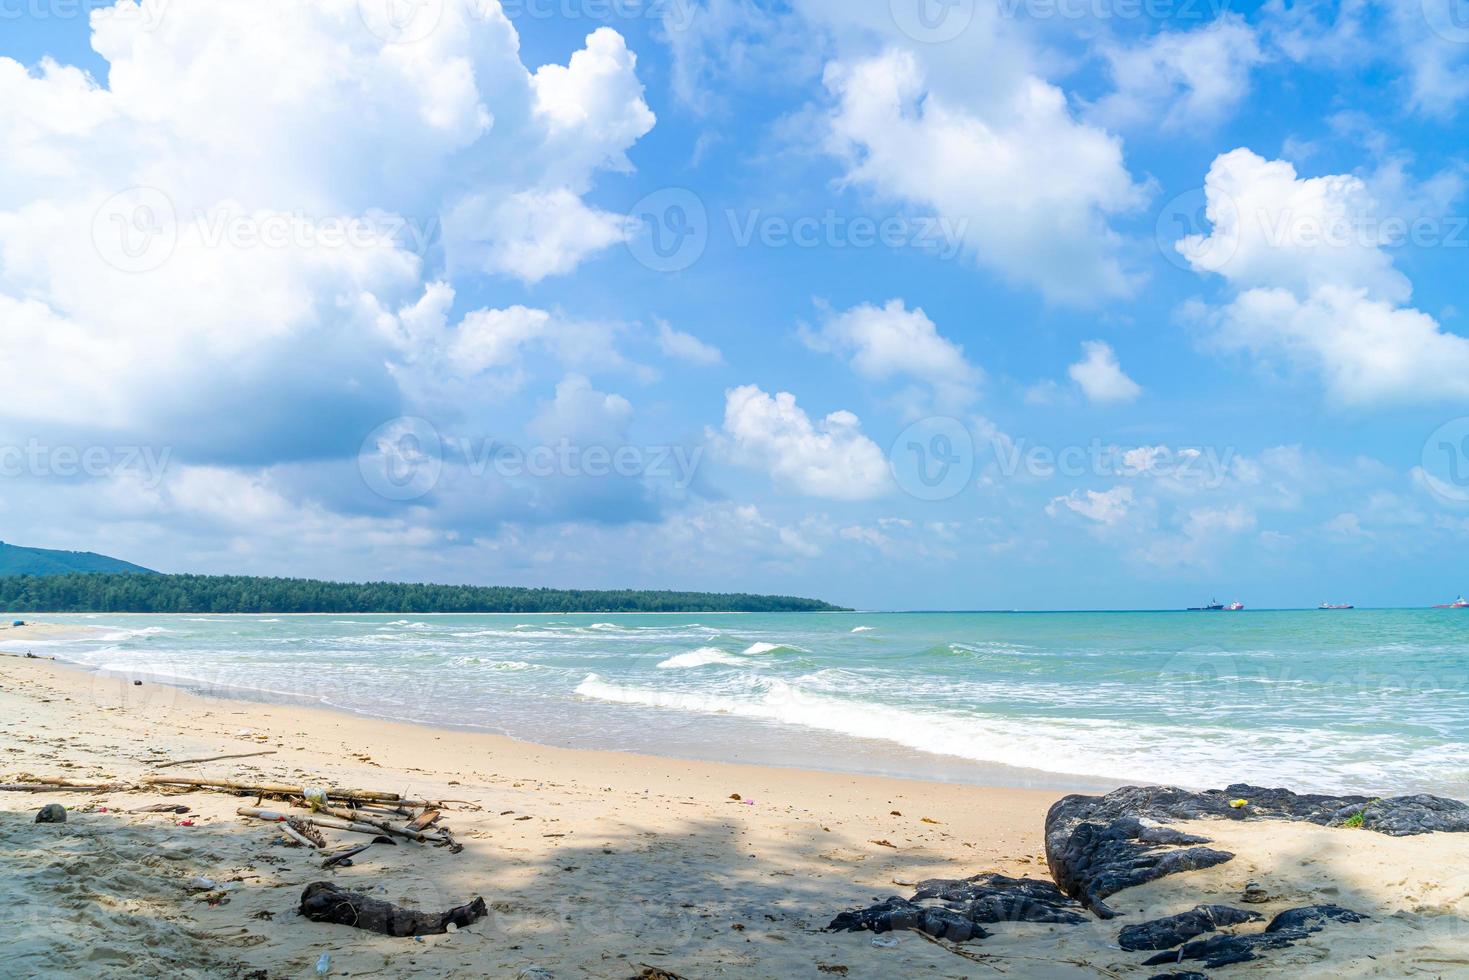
(1094, 860)
(957, 909)
(1286, 929)
(1311, 917)
(1408, 816)
(51, 813)
(1098, 845)
(323, 901)
(1168, 932)
(1185, 975)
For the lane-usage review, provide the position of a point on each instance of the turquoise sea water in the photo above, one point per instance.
(1368, 700)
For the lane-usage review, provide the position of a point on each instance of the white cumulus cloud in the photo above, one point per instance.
(1099, 375)
(1315, 288)
(893, 341)
(829, 458)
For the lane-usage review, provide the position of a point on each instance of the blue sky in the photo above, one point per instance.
(382, 289)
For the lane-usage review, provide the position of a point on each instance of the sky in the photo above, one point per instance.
(903, 304)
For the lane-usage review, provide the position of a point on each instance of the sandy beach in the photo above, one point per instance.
(593, 863)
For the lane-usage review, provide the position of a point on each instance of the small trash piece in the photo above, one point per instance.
(1254, 893)
(885, 942)
(323, 964)
(51, 813)
(202, 884)
(1239, 804)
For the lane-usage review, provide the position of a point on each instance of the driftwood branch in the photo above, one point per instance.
(274, 789)
(297, 836)
(331, 823)
(323, 901)
(212, 758)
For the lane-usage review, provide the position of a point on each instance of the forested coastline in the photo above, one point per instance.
(134, 593)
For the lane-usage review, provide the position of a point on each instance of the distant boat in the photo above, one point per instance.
(1216, 606)
(1235, 606)
(1459, 603)
(1333, 605)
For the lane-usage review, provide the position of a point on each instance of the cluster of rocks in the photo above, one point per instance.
(1097, 846)
(957, 910)
(1284, 930)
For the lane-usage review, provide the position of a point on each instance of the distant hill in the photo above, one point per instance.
(241, 594)
(15, 560)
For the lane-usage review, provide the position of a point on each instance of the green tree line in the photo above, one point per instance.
(135, 593)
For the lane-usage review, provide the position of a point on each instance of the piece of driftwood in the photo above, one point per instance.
(322, 901)
(424, 820)
(212, 758)
(272, 789)
(345, 857)
(297, 836)
(161, 808)
(331, 823)
(55, 787)
(307, 831)
(357, 816)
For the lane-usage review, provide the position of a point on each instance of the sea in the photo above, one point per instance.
(1372, 701)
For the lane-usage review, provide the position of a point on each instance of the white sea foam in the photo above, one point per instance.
(863, 629)
(756, 649)
(126, 634)
(1108, 749)
(699, 658)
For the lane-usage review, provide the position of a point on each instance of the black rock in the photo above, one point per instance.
(1312, 917)
(1286, 929)
(1185, 975)
(1167, 932)
(1092, 860)
(958, 909)
(1405, 816)
(1098, 845)
(993, 898)
(51, 813)
(1223, 950)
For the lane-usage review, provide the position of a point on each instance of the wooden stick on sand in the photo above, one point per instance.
(212, 758)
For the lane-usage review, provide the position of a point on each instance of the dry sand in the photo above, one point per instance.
(594, 863)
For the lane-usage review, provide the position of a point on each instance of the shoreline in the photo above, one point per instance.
(926, 767)
(593, 863)
(581, 851)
